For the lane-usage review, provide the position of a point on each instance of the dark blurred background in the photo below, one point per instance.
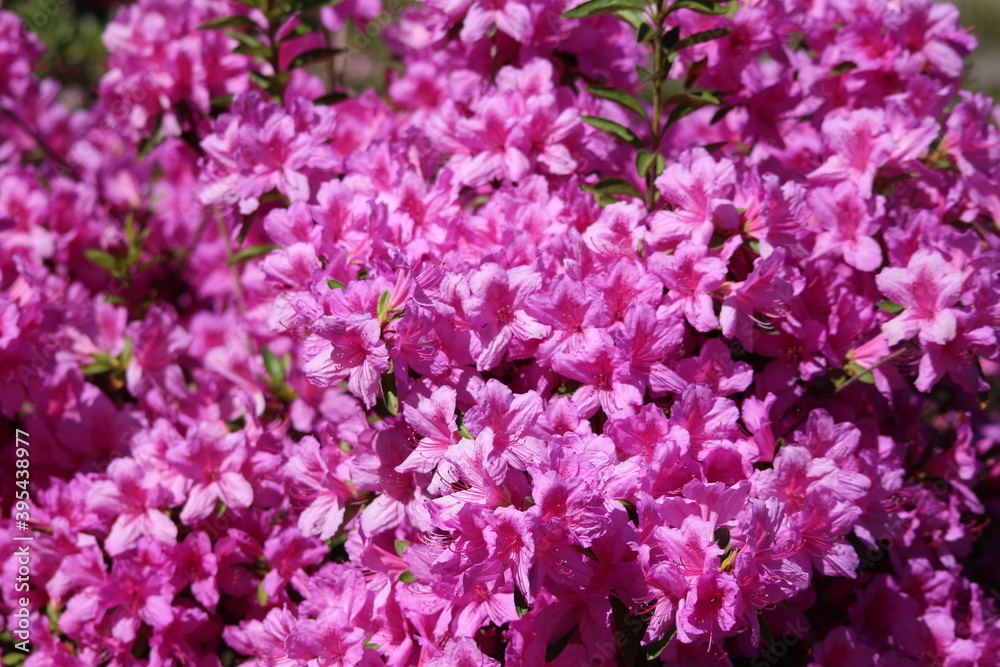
(72, 31)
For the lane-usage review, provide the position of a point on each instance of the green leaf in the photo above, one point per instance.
(612, 186)
(643, 34)
(97, 366)
(630, 629)
(101, 258)
(765, 632)
(401, 547)
(614, 129)
(407, 577)
(14, 658)
(634, 17)
(728, 560)
(678, 113)
(275, 369)
(520, 602)
(643, 161)
(843, 67)
(262, 596)
(619, 97)
(463, 431)
(251, 252)
(383, 306)
(721, 537)
(702, 37)
(670, 39)
(694, 99)
(229, 22)
(890, 307)
(714, 147)
(331, 98)
(633, 514)
(643, 73)
(307, 5)
(248, 40)
(556, 646)
(389, 395)
(313, 56)
(600, 7)
(720, 114)
(335, 284)
(654, 650)
(701, 6)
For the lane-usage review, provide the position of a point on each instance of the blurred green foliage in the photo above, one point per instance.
(983, 17)
(71, 32)
(71, 29)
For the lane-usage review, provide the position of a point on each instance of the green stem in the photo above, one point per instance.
(857, 377)
(655, 127)
(277, 78)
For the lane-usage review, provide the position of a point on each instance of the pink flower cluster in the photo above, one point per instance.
(382, 383)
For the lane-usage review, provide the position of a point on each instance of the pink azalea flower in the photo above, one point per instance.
(927, 289)
(214, 462)
(348, 348)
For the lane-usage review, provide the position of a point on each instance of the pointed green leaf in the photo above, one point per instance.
(96, 367)
(401, 547)
(313, 56)
(843, 67)
(229, 22)
(720, 114)
(520, 602)
(383, 306)
(890, 307)
(101, 258)
(558, 644)
(693, 99)
(614, 129)
(251, 252)
(619, 97)
(701, 6)
(407, 577)
(599, 7)
(670, 39)
(273, 365)
(702, 37)
(331, 98)
(678, 113)
(643, 73)
(643, 34)
(247, 40)
(390, 397)
(335, 284)
(262, 596)
(612, 186)
(630, 629)
(765, 632)
(643, 161)
(307, 5)
(634, 17)
(714, 147)
(630, 509)
(654, 650)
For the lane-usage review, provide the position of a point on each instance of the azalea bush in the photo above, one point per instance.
(611, 333)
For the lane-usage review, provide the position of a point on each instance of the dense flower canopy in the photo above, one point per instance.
(518, 362)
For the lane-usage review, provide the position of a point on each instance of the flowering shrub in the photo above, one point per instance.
(614, 333)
